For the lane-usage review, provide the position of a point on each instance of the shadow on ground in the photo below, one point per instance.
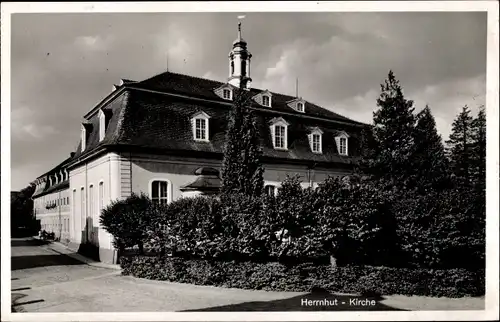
(24, 262)
(28, 242)
(298, 303)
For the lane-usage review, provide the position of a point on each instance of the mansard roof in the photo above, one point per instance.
(204, 88)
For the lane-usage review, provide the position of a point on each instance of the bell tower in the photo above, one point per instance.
(239, 62)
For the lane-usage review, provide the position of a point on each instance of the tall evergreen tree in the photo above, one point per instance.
(393, 128)
(459, 148)
(242, 171)
(429, 157)
(479, 149)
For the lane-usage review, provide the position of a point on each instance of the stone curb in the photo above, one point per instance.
(64, 250)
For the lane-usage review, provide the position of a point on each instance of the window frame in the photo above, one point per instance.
(279, 122)
(274, 187)
(342, 139)
(264, 97)
(230, 94)
(102, 125)
(83, 135)
(168, 196)
(201, 116)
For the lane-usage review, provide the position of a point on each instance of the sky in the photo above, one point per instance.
(63, 64)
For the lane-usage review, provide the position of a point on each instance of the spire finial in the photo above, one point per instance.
(239, 25)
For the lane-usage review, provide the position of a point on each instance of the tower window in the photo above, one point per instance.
(232, 67)
(243, 68)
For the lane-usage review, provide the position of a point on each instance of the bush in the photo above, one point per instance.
(441, 229)
(303, 277)
(347, 221)
(129, 220)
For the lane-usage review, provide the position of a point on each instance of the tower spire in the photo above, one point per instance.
(239, 61)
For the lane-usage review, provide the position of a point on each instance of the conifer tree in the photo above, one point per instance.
(429, 157)
(459, 148)
(393, 128)
(479, 149)
(242, 171)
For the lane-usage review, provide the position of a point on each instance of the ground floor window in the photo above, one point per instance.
(271, 190)
(160, 191)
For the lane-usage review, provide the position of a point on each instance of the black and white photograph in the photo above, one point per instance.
(218, 161)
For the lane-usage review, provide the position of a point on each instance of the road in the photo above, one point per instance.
(46, 281)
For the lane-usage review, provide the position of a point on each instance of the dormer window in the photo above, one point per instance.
(342, 143)
(297, 104)
(316, 140)
(226, 94)
(266, 101)
(84, 137)
(343, 146)
(279, 131)
(263, 98)
(200, 126)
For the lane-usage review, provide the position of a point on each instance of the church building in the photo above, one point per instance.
(164, 136)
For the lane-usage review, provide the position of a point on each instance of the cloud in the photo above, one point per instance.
(25, 125)
(92, 43)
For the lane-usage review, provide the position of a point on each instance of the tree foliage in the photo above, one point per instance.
(242, 171)
(393, 126)
(459, 148)
(429, 158)
(21, 204)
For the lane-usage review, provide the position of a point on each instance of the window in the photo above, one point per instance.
(101, 197)
(160, 191)
(270, 190)
(243, 68)
(201, 129)
(300, 107)
(200, 126)
(232, 67)
(83, 138)
(82, 206)
(226, 94)
(102, 125)
(279, 136)
(266, 101)
(316, 143)
(343, 146)
(91, 201)
(73, 214)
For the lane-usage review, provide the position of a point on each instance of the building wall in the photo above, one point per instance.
(123, 174)
(144, 169)
(87, 201)
(57, 219)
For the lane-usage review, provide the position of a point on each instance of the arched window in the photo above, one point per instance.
(160, 191)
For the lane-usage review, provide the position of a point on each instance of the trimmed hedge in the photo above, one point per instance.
(304, 277)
